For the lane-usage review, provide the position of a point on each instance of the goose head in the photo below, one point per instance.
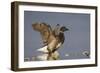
(63, 29)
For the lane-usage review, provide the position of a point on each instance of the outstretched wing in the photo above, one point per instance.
(44, 30)
(56, 30)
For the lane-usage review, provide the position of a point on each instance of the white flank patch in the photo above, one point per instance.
(43, 49)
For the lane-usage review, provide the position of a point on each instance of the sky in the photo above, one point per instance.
(77, 39)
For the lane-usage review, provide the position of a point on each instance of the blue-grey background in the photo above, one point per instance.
(77, 39)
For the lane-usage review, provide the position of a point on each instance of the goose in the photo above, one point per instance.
(52, 38)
